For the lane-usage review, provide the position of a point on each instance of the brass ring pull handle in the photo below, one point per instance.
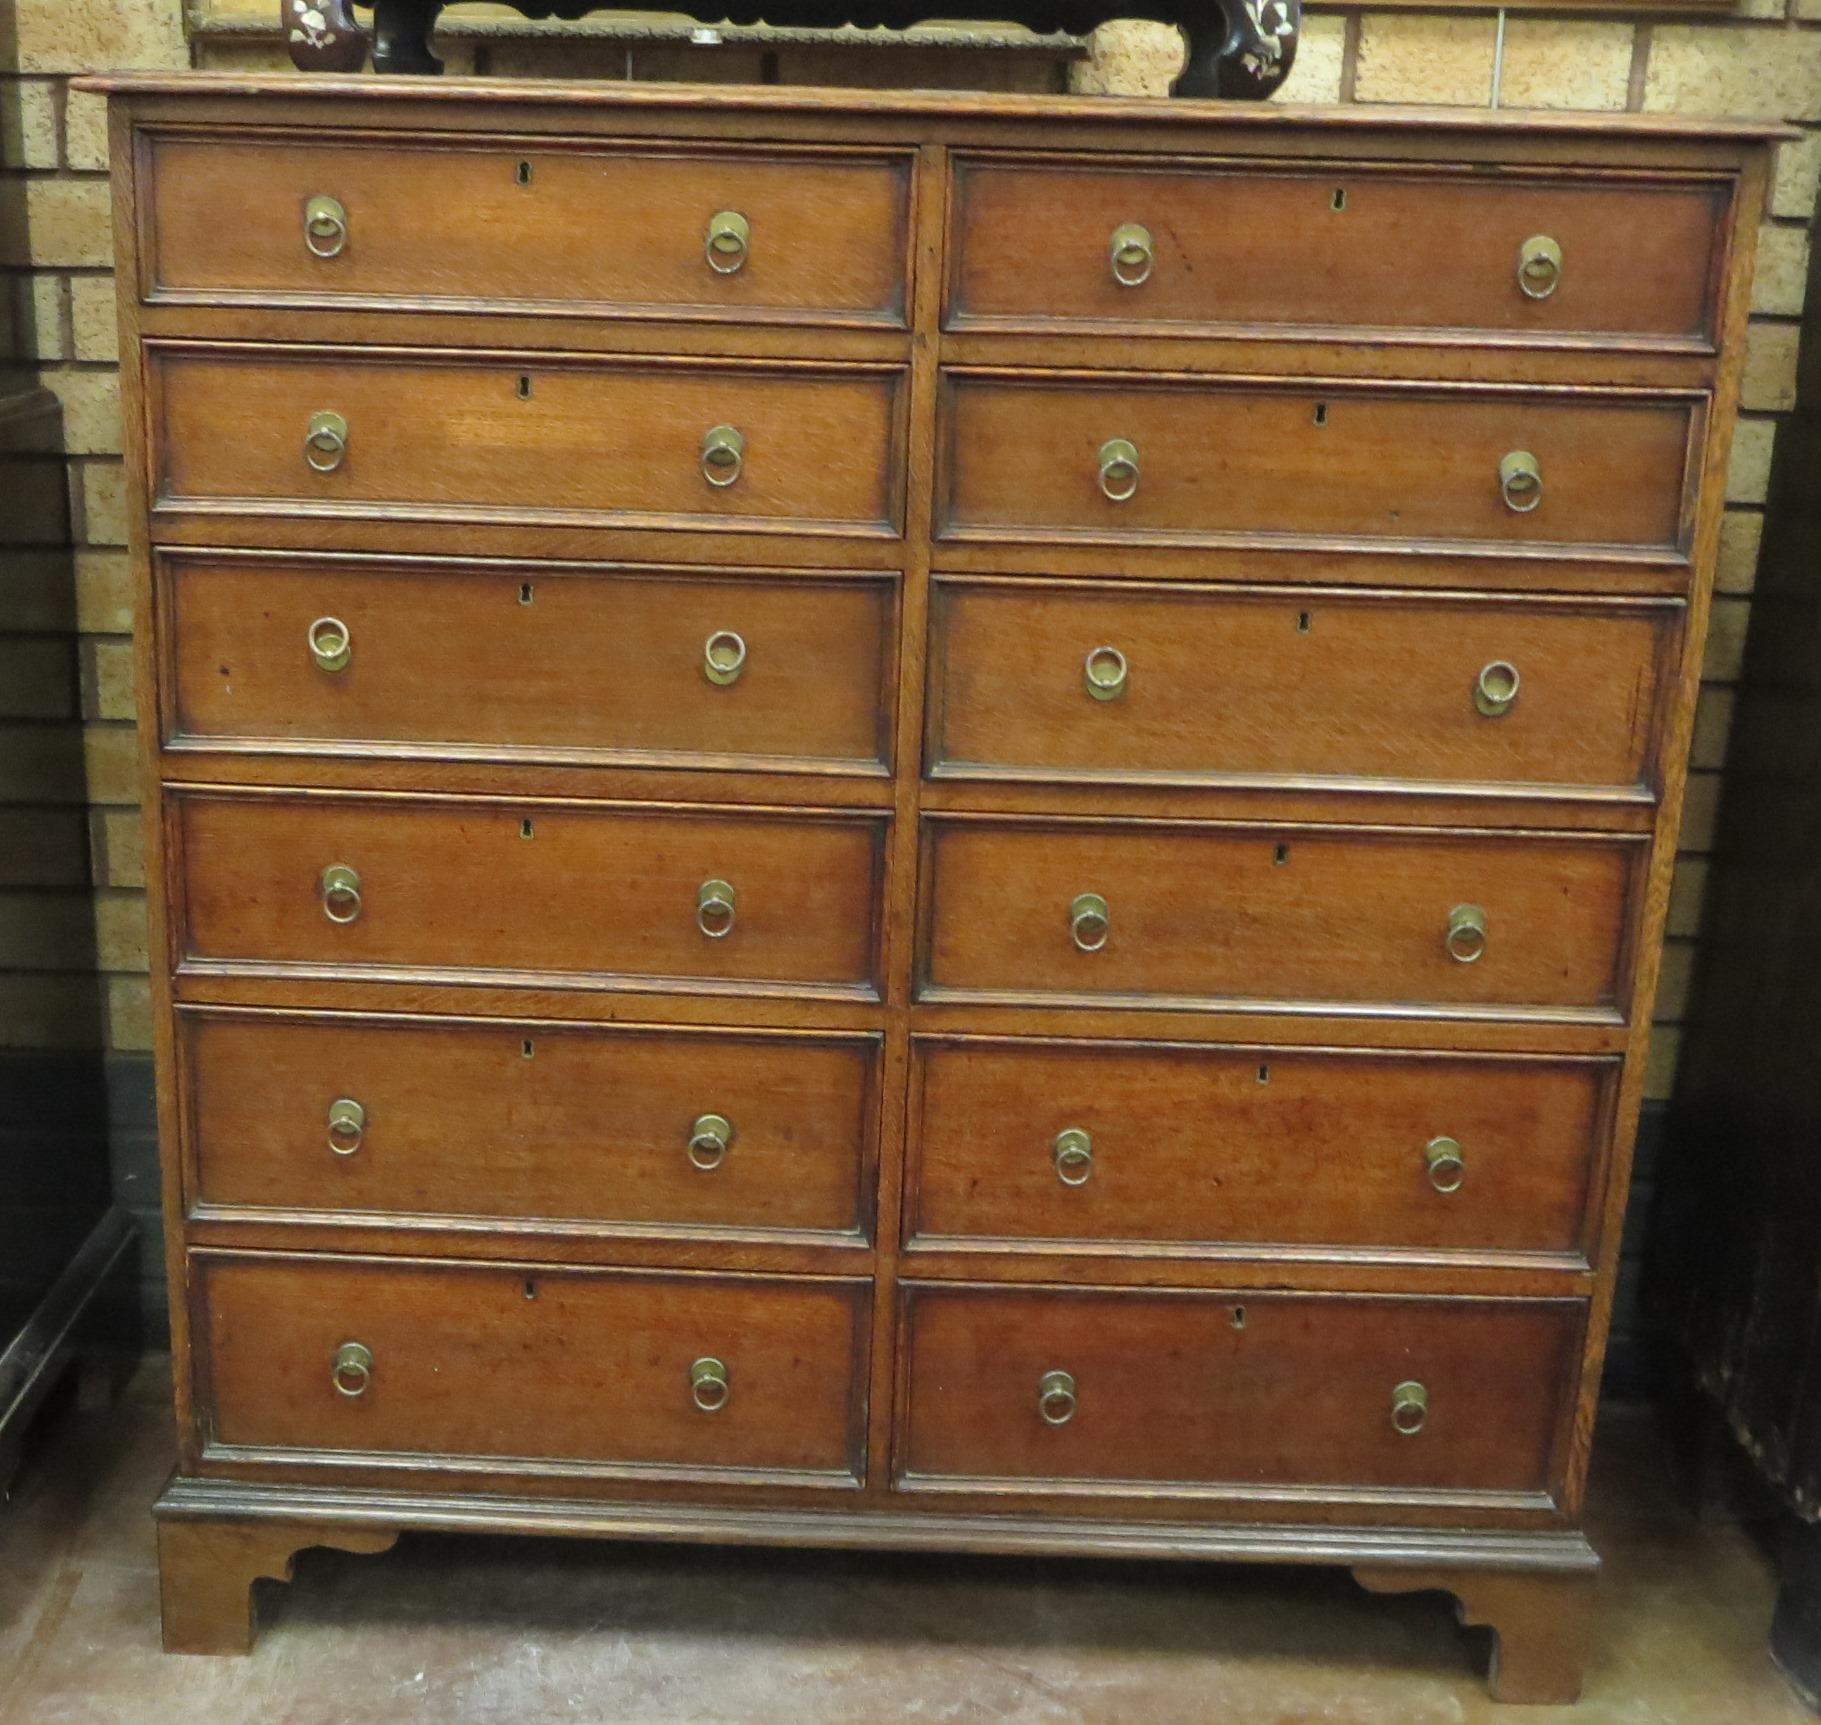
(325, 227)
(1056, 1398)
(1520, 481)
(1495, 689)
(1105, 671)
(715, 909)
(347, 1125)
(723, 455)
(709, 1138)
(340, 893)
(727, 243)
(708, 1386)
(1466, 933)
(326, 442)
(353, 1369)
(1133, 256)
(1119, 469)
(723, 657)
(1409, 1407)
(1089, 921)
(1446, 1162)
(1074, 1156)
(1539, 270)
(331, 645)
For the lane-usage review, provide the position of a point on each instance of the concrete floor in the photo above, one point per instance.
(521, 1632)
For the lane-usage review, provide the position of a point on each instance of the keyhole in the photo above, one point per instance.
(1303, 622)
(526, 1050)
(524, 388)
(1280, 856)
(1321, 413)
(524, 593)
(1264, 1075)
(1339, 200)
(1239, 1317)
(524, 173)
(525, 829)
(530, 1290)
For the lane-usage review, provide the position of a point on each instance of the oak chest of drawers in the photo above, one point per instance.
(910, 820)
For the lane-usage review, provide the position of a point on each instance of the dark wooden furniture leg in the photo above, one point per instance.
(206, 1571)
(1541, 1622)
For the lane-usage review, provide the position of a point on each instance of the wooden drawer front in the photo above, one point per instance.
(527, 662)
(530, 1122)
(451, 439)
(533, 1364)
(534, 225)
(1215, 685)
(1247, 1391)
(1203, 913)
(1083, 1142)
(1219, 460)
(1434, 252)
(530, 889)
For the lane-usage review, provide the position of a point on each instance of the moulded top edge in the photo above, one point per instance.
(940, 104)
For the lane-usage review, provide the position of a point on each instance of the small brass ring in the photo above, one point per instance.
(1056, 1400)
(1495, 689)
(326, 442)
(1539, 271)
(1466, 933)
(1119, 469)
(325, 225)
(727, 242)
(1446, 1162)
(1133, 256)
(723, 455)
(708, 1386)
(1520, 481)
(331, 644)
(1090, 923)
(1104, 671)
(723, 657)
(340, 893)
(353, 1369)
(1074, 1156)
(1409, 1407)
(347, 1125)
(709, 1139)
(715, 909)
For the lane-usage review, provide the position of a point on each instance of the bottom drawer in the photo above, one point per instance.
(1064, 1391)
(646, 1372)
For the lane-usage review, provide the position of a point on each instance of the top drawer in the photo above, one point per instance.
(1343, 247)
(819, 236)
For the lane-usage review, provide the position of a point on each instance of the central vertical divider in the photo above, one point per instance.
(928, 227)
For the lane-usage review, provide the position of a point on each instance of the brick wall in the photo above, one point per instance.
(1762, 61)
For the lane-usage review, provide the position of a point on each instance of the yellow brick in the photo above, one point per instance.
(225, 54)
(1741, 533)
(91, 410)
(120, 931)
(1745, 74)
(1672, 983)
(1782, 271)
(1552, 63)
(1798, 172)
(85, 131)
(1726, 640)
(1129, 57)
(129, 1014)
(103, 502)
(41, 316)
(110, 756)
(67, 223)
(1713, 725)
(1687, 891)
(49, 1011)
(1660, 1063)
(104, 592)
(122, 846)
(1699, 807)
(94, 319)
(36, 592)
(1748, 476)
(80, 35)
(1420, 58)
(1321, 53)
(28, 123)
(37, 508)
(108, 674)
(1769, 381)
(35, 677)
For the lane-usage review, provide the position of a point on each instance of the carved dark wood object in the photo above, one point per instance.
(1236, 48)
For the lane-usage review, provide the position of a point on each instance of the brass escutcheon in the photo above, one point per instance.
(1466, 933)
(1446, 1162)
(340, 893)
(1409, 1407)
(1119, 469)
(331, 645)
(728, 242)
(1056, 1399)
(1495, 689)
(1074, 1156)
(347, 1125)
(1105, 671)
(1539, 268)
(715, 909)
(1132, 254)
(1520, 481)
(708, 1386)
(723, 455)
(709, 1138)
(353, 1368)
(326, 442)
(325, 226)
(723, 657)
(1089, 921)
